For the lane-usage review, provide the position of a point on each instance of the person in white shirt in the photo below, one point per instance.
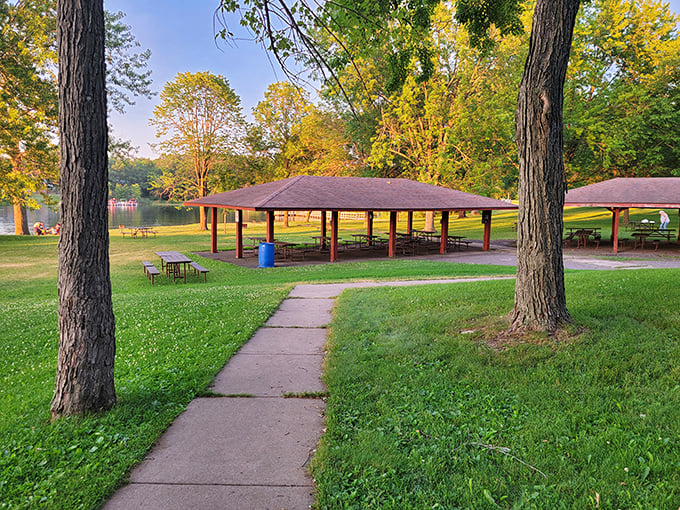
(664, 220)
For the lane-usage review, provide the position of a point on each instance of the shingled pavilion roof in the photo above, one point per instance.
(624, 192)
(319, 193)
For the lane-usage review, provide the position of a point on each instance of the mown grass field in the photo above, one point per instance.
(171, 341)
(443, 390)
(426, 410)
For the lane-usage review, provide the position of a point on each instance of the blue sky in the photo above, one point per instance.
(180, 36)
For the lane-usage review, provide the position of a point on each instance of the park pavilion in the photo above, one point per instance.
(623, 193)
(331, 195)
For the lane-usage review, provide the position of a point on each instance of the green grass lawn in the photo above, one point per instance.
(555, 407)
(425, 410)
(171, 341)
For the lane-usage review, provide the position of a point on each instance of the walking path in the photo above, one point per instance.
(250, 448)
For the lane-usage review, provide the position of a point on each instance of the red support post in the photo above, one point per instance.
(487, 230)
(213, 230)
(392, 249)
(239, 234)
(323, 229)
(270, 226)
(409, 223)
(615, 229)
(369, 223)
(334, 236)
(444, 239)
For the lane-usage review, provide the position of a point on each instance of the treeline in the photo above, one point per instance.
(441, 112)
(29, 156)
(453, 127)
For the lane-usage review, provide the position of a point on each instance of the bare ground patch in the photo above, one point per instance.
(493, 333)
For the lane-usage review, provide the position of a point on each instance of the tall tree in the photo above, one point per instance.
(86, 322)
(319, 145)
(302, 138)
(540, 299)
(282, 108)
(453, 129)
(622, 114)
(127, 72)
(200, 118)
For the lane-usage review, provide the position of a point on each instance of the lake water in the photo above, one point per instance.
(143, 215)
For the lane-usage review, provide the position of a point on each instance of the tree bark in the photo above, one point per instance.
(202, 218)
(87, 348)
(20, 220)
(429, 222)
(540, 301)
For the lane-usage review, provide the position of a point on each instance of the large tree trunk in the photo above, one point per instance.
(429, 222)
(203, 192)
(202, 218)
(20, 220)
(540, 301)
(86, 323)
(20, 216)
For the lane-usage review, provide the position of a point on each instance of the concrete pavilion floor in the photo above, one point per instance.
(502, 252)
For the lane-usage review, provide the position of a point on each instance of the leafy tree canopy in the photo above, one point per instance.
(622, 114)
(28, 95)
(199, 120)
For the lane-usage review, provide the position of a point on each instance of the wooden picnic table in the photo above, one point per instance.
(145, 231)
(583, 235)
(321, 242)
(283, 249)
(365, 240)
(457, 242)
(171, 261)
(641, 225)
(425, 235)
(641, 236)
(574, 230)
(256, 243)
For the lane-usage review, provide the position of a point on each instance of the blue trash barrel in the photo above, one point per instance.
(266, 255)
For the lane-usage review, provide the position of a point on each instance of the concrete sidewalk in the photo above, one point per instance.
(250, 448)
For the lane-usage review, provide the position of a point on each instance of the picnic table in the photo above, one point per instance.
(321, 242)
(133, 231)
(583, 235)
(144, 231)
(283, 250)
(645, 234)
(425, 235)
(256, 243)
(457, 242)
(171, 262)
(365, 240)
(641, 225)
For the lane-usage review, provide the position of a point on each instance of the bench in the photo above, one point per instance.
(199, 269)
(150, 270)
